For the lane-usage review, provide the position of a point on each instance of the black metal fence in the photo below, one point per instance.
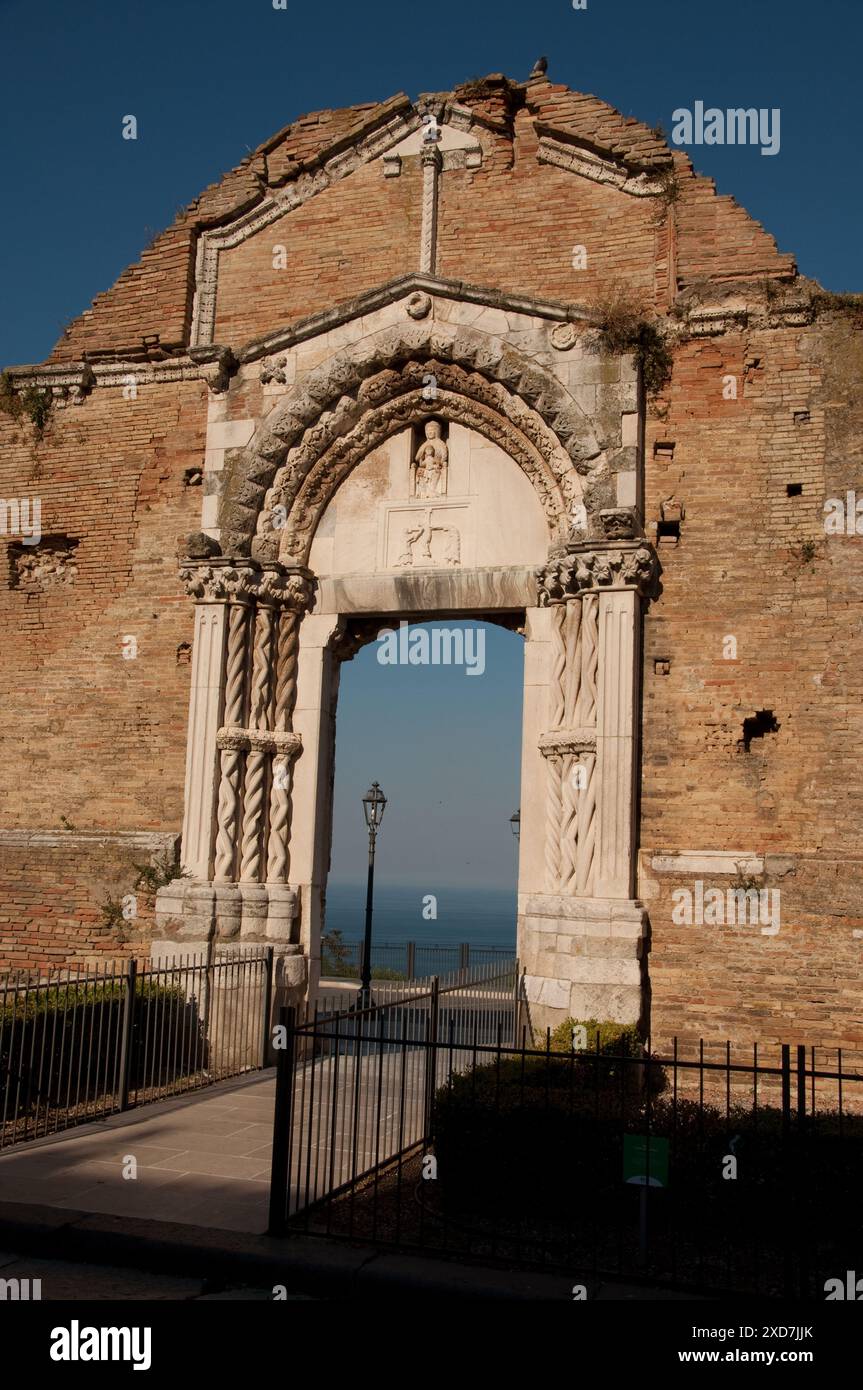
(405, 960)
(81, 1044)
(425, 1125)
(355, 1089)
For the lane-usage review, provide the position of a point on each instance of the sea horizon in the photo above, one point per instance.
(478, 915)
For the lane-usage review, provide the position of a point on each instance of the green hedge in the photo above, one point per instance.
(541, 1139)
(64, 1042)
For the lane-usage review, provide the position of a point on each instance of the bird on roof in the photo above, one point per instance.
(540, 67)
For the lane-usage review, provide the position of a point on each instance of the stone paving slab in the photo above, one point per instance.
(203, 1159)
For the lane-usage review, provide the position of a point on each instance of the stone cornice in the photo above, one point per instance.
(211, 361)
(713, 320)
(584, 567)
(215, 363)
(72, 382)
(221, 580)
(578, 159)
(403, 287)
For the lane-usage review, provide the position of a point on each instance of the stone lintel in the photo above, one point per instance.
(429, 592)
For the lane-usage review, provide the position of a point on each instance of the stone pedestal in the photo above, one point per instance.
(229, 1002)
(584, 958)
(251, 913)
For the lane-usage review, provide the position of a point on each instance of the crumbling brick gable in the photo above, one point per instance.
(513, 202)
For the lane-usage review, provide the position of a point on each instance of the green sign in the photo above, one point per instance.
(645, 1160)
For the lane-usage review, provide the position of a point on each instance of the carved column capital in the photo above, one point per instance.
(573, 741)
(218, 579)
(282, 745)
(431, 155)
(582, 567)
(288, 587)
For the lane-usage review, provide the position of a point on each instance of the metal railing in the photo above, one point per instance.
(430, 1128)
(82, 1044)
(407, 960)
(355, 1088)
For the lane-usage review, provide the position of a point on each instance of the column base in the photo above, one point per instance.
(584, 958)
(188, 910)
(283, 905)
(231, 1001)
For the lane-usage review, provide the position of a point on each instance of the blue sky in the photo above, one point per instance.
(446, 747)
(208, 80)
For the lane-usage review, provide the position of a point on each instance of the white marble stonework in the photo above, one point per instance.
(435, 451)
(487, 517)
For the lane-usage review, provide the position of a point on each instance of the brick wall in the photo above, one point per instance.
(754, 564)
(62, 895)
(96, 742)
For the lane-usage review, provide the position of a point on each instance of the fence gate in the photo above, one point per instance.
(355, 1087)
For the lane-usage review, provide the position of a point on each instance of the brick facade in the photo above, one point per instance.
(95, 743)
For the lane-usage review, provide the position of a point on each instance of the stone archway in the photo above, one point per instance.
(268, 634)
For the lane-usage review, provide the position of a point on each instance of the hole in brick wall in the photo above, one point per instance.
(751, 366)
(793, 489)
(193, 477)
(663, 451)
(184, 653)
(764, 722)
(667, 532)
(801, 417)
(48, 565)
(662, 666)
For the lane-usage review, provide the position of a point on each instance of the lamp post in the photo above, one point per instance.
(374, 804)
(515, 823)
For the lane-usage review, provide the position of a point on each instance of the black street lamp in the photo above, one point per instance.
(374, 805)
(515, 823)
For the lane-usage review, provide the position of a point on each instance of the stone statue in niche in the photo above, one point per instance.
(429, 468)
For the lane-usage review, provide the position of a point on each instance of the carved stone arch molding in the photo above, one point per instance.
(315, 470)
(324, 421)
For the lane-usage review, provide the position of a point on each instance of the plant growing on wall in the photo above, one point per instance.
(622, 326)
(32, 403)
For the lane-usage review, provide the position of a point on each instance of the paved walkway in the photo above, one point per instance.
(202, 1160)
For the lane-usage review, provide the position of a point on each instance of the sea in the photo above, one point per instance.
(478, 916)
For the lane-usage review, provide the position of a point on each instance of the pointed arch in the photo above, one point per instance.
(321, 427)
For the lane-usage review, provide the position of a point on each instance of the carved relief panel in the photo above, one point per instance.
(437, 495)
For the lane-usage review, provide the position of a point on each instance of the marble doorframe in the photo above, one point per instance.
(285, 433)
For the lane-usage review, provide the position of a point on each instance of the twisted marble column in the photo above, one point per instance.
(231, 755)
(278, 855)
(254, 798)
